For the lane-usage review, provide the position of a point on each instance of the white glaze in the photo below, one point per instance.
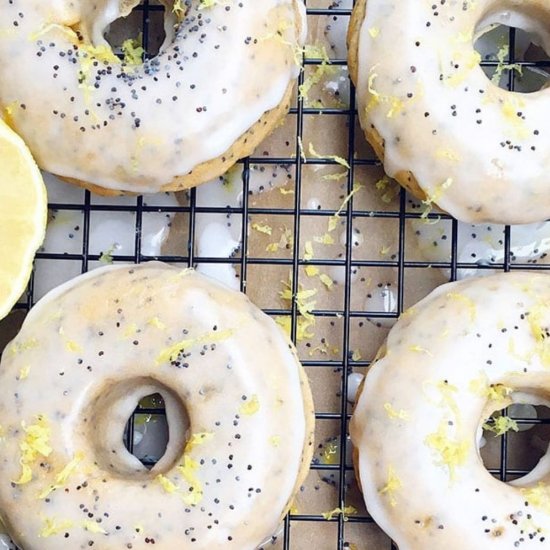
(65, 327)
(227, 66)
(110, 231)
(488, 181)
(445, 352)
(482, 244)
(355, 379)
(219, 235)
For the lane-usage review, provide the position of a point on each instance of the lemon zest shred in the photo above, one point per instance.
(53, 526)
(35, 444)
(374, 32)
(168, 485)
(311, 270)
(188, 470)
(356, 355)
(323, 69)
(133, 51)
(393, 485)
(24, 372)
(331, 453)
(388, 189)
(345, 512)
(262, 228)
(308, 251)
(467, 301)
(171, 352)
(326, 280)
(501, 425)
(339, 160)
(448, 154)
(197, 439)
(67, 31)
(18, 347)
(275, 440)
(336, 177)
(107, 256)
(93, 527)
(326, 239)
(8, 113)
(538, 496)
(502, 66)
(302, 327)
(432, 199)
(157, 323)
(63, 476)
(206, 4)
(178, 9)
(333, 220)
(130, 330)
(301, 298)
(251, 406)
(394, 414)
(493, 392)
(420, 349)
(450, 451)
(395, 104)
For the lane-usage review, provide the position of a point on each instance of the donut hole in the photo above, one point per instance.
(133, 28)
(147, 433)
(111, 424)
(514, 50)
(517, 456)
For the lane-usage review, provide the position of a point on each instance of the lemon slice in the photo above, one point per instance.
(23, 216)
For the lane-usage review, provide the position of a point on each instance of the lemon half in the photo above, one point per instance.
(23, 216)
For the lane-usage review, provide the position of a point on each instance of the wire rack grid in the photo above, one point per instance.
(344, 531)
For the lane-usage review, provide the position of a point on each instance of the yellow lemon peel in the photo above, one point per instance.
(501, 425)
(171, 353)
(392, 486)
(62, 477)
(250, 407)
(345, 512)
(394, 414)
(53, 526)
(35, 444)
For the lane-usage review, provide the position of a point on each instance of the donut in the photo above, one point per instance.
(221, 82)
(441, 127)
(238, 405)
(467, 350)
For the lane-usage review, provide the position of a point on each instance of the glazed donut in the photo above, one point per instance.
(221, 82)
(442, 128)
(240, 428)
(468, 349)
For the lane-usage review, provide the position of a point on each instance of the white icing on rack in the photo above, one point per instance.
(219, 235)
(111, 231)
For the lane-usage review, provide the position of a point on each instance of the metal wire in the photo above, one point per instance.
(350, 214)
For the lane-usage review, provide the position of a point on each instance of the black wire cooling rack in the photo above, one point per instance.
(341, 471)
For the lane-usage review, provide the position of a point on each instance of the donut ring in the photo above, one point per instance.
(85, 356)
(468, 349)
(172, 123)
(443, 130)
